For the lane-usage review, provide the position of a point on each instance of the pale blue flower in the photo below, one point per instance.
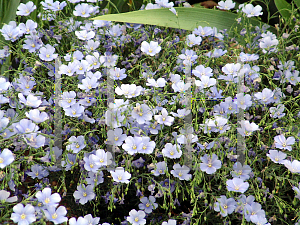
(84, 193)
(75, 110)
(150, 49)
(282, 143)
(120, 175)
(161, 167)
(227, 5)
(172, 151)
(25, 9)
(6, 158)
(79, 221)
(181, 172)
(136, 217)
(36, 116)
(57, 216)
(76, 144)
(47, 53)
(253, 210)
(31, 101)
(164, 118)
(170, 222)
(251, 11)
(225, 206)
(294, 166)
(241, 171)
(83, 10)
(210, 164)
(148, 204)
(38, 171)
(23, 215)
(277, 156)
(47, 198)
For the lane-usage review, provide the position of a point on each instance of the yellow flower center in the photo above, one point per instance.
(4, 134)
(1, 160)
(136, 219)
(160, 171)
(80, 68)
(101, 160)
(240, 172)
(141, 114)
(74, 112)
(225, 206)
(180, 174)
(134, 147)
(236, 187)
(23, 216)
(119, 177)
(276, 159)
(84, 194)
(77, 146)
(92, 165)
(54, 216)
(144, 147)
(83, 13)
(150, 50)
(69, 101)
(48, 56)
(163, 119)
(147, 205)
(284, 145)
(47, 200)
(32, 45)
(95, 63)
(116, 138)
(209, 165)
(36, 174)
(171, 153)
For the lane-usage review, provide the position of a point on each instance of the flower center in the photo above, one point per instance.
(48, 56)
(116, 138)
(47, 200)
(225, 206)
(171, 153)
(160, 171)
(101, 160)
(23, 216)
(144, 147)
(163, 119)
(92, 165)
(74, 112)
(180, 174)
(119, 177)
(276, 159)
(84, 194)
(209, 165)
(77, 146)
(136, 219)
(1, 160)
(147, 205)
(236, 187)
(54, 216)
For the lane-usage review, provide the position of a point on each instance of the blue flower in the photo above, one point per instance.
(237, 185)
(251, 11)
(36, 116)
(23, 215)
(181, 172)
(84, 193)
(241, 171)
(47, 198)
(210, 164)
(10, 32)
(136, 217)
(56, 216)
(31, 100)
(138, 163)
(253, 210)
(47, 53)
(83, 10)
(203, 31)
(6, 158)
(161, 167)
(77, 144)
(25, 9)
(277, 156)
(79, 221)
(282, 143)
(225, 206)
(148, 204)
(38, 171)
(120, 175)
(150, 49)
(227, 5)
(172, 151)
(75, 110)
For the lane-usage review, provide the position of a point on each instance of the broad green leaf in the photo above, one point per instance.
(284, 8)
(188, 18)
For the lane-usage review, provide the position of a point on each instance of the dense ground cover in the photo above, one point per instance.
(147, 179)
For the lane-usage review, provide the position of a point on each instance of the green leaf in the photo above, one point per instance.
(297, 2)
(188, 18)
(284, 8)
